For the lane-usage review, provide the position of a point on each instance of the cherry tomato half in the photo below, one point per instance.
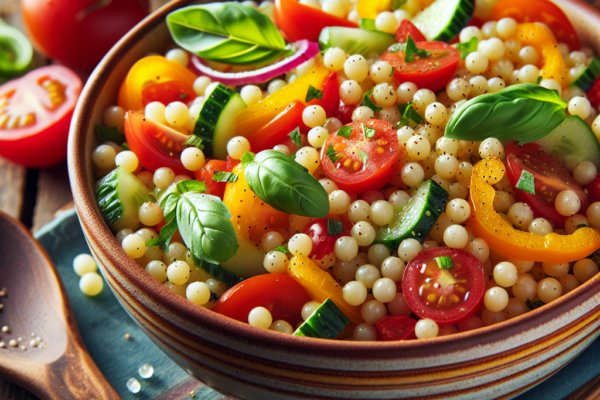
(432, 72)
(395, 328)
(323, 243)
(446, 296)
(155, 145)
(280, 294)
(550, 176)
(35, 113)
(408, 28)
(206, 173)
(593, 189)
(331, 95)
(594, 94)
(277, 131)
(168, 92)
(363, 163)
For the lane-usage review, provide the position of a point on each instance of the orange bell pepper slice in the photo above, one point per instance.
(553, 65)
(504, 239)
(320, 285)
(258, 115)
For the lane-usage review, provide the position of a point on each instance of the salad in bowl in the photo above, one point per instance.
(359, 170)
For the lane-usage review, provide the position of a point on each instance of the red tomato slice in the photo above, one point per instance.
(206, 173)
(277, 131)
(280, 294)
(168, 92)
(323, 243)
(350, 173)
(432, 72)
(345, 113)
(298, 21)
(154, 144)
(35, 113)
(331, 95)
(593, 189)
(594, 94)
(408, 28)
(395, 328)
(539, 11)
(550, 176)
(446, 296)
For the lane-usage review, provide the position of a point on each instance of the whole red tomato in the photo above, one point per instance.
(78, 33)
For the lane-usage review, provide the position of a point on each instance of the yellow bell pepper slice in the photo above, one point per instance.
(258, 115)
(239, 199)
(504, 239)
(553, 65)
(320, 285)
(371, 8)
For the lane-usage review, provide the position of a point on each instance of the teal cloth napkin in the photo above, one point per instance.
(103, 325)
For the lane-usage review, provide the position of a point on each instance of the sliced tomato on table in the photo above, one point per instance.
(323, 243)
(445, 295)
(280, 294)
(408, 28)
(539, 11)
(299, 21)
(395, 328)
(155, 145)
(168, 92)
(35, 113)
(431, 72)
(359, 163)
(550, 177)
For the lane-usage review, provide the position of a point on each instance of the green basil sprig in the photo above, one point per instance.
(284, 184)
(228, 33)
(467, 48)
(524, 112)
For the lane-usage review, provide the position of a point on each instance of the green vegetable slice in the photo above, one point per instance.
(295, 136)
(586, 80)
(526, 182)
(444, 19)
(413, 51)
(355, 40)
(326, 322)
(468, 47)
(368, 24)
(16, 52)
(367, 102)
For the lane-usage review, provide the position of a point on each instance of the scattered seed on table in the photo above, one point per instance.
(5, 329)
(2, 345)
(13, 343)
(146, 371)
(133, 385)
(127, 336)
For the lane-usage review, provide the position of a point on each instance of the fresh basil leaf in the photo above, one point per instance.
(247, 157)
(334, 228)
(224, 176)
(344, 131)
(364, 157)
(228, 33)
(409, 114)
(582, 225)
(183, 96)
(367, 24)
(168, 202)
(412, 51)
(538, 304)
(333, 156)
(396, 4)
(125, 146)
(367, 102)
(467, 48)
(194, 141)
(285, 185)
(393, 70)
(369, 132)
(397, 48)
(526, 182)
(295, 135)
(524, 112)
(281, 249)
(217, 272)
(191, 185)
(164, 237)
(444, 262)
(205, 226)
(539, 80)
(313, 93)
(109, 134)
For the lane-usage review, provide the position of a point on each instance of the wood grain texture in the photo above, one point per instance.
(12, 185)
(52, 194)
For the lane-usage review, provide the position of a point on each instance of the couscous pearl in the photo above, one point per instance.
(309, 308)
(436, 114)
(346, 248)
(540, 227)
(386, 22)
(580, 106)
(513, 47)
(300, 245)
(469, 324)
(329, 186)
(528, 74)
(585, 269)
(458, 89)
(334, 7)
(198, 293)
(91, 284)
(372, 311)
(470, 32)
(458, 210)
(364, 333)
(351, 92)
(382, 212)
(360, 211)
(399, 199)
(128, 160)
(406, 93)
(334, 58)
(529, 55)
(412, 174)
(381, 71)
(104, 156)
(447, 330)
(354, 293)
(193, 159)
(179, 272)
(585, 172)
(276, 262)
(525, 288)
(491, 318)
(426, 329)
(271, 240)
(260, 317)
(177, 114)
(489, 29)
(495, 299)
(84, 263)
(478, 248)
(367, 275)
(179, 56)
(422, 99)
(567, 203)
(377, 253)
(578, 58)
(408, 249)
(309, 158)
(363, 232)
(314, 116)
(402, 14)
(163, 177)
(491, 147)
(514, 308)
(157, 269)
(134, 246)
(501, 69)
(150, 214)
(178, 289)
(596, 127)
(384, 290)
(216, 287)
(317, 137)
(393, 268)
(114, 116)
(552, 85)
(399, 306)
(479, 85)
(503, 201)
(520, 215)
(339, 202)
(493, 49)
(556, 270)
(445, 166)
(476, 62)
(275, 85)
(464, 172)
(237, 146)
(311, 3)
(505, 274)
(180, 178)
(496, 85)
(418, 148)
(282, 148)
(362, 113)
(122, 234)
(282, 326)
(506, 28)
(593, 214)
(200, 85)
(456, 237)
(384, 95)
(251, 94)
(356, 68)
(549, 289)
(568, 283)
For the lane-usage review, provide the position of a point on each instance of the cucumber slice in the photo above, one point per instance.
(355, 40)
(572, 142)
(217, 272)
(120, 195)
(443, 20)
(326, 322)
(586, 80)
(216, 120)
(416, 219)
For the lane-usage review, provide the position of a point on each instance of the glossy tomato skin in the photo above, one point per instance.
(280, 294)
(550, 179)
(277, 131)
(382, 149)
(331, 96)
(206, 173)
(44, 142)
(168, 92)
(594, 94)
(422, 278)
(79, 33)
(408, 28)
(323, 243)
(432, 72)
(395, 328)
(593, 190)
(299, 21)
(345, 112)
(155, 145)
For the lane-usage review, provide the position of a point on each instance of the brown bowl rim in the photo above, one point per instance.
(105, 241)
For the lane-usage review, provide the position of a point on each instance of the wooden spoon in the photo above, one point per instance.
(35, 304)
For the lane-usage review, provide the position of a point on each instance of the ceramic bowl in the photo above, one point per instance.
(241, 361)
